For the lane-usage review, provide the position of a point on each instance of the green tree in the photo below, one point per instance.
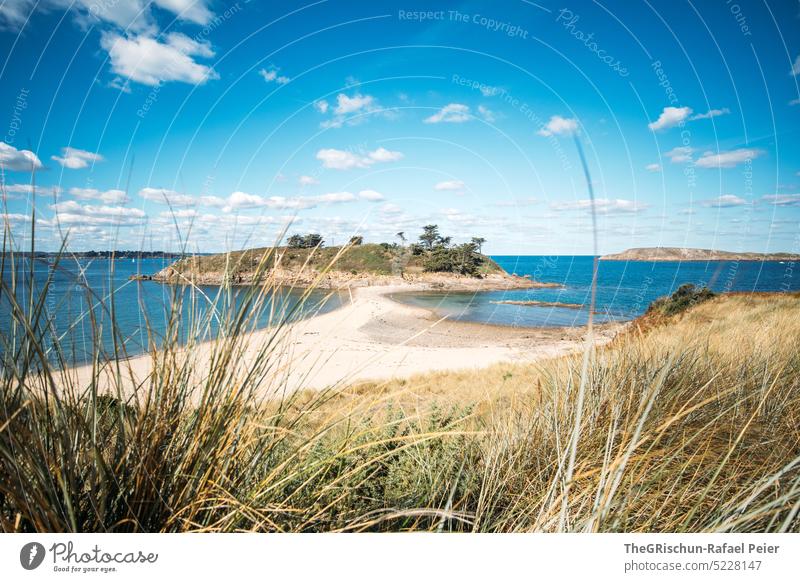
(356, 240)
(478, 242)
(430, 235)
(402, 236)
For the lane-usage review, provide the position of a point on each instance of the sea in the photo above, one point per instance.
(81, 294)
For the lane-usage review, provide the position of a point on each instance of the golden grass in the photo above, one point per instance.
(688, 424)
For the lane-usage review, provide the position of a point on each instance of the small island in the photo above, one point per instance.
(432, 263)
(664, 254)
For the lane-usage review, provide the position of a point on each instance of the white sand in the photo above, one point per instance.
(374, 338)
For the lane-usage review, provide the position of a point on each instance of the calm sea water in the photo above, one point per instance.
(136, 303)
(624, 289)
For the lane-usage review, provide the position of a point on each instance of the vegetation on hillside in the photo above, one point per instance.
(681, 299)
(434, 254)
(688, 426)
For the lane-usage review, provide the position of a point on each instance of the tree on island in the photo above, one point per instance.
(478, 242)
(430, 235)
(441, 257)
(309, 241)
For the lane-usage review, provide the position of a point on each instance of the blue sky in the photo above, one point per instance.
(345, 117)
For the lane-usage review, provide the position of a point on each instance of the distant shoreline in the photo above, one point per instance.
(679, 254)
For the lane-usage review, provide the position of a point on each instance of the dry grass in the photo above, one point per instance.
(688, 423)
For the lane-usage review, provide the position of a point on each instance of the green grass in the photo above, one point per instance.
(687, 423)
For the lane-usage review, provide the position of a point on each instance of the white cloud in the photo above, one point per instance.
(711, 113)
(680, 155)
(602, 205)
(343, 160)
(28, 189)
(794, 102)
(148, 61)
(559, 126)
(725, 201)
(196, 11)
(451, 113)
(15, 218)
(653, 167)
(14, 13)
(212, 201)
(335, 197)
(15, 160)
(184, 213)
(384, 155)
(271, 76)
(487, 114)
(728, 159)
(450, 186)
(355, 106)
(76, 159)
(307, 181)
(345, 104)
(670, 117)
(371, 195)
(782, 199)
(70, 213)
(170, 197)
(796, 66)
(108, 196)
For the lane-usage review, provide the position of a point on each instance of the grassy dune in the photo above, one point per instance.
(686, 423)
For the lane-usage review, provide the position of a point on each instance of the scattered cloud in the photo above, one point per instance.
(15, 160)
(487, 114)
(371, 195)
(450, 186)
(782, 199)
(670, 117)
(170, 197)
(180, 214)
(451, 113)
(728, 159)
(710, 113)
(355, 106)
(14, 13)
(145, 60)
(70, 213)
(76, 159)
(357, 102)
(29, 188)
(680, 155)
(272, 76)
(725, 201)
(307, 181)
(107, 197)
(602, 205)
(559, 126)
(796, 66)
(653, 167)
(344, 160)
(794, 102)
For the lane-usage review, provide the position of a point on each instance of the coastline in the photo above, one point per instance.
(373, 337)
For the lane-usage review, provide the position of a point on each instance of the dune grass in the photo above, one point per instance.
(688, 423)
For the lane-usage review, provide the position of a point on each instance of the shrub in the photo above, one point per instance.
(682, 299)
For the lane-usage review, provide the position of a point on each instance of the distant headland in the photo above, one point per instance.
(685, 254)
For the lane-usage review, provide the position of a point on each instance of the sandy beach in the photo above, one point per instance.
(372, 337)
